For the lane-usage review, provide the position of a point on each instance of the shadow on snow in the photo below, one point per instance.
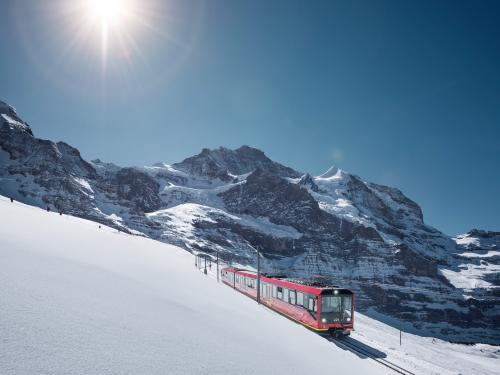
(361, 349)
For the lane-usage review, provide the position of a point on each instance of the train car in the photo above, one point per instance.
(325, 309)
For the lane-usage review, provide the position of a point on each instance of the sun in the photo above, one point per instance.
(108, 12)
(112, 19)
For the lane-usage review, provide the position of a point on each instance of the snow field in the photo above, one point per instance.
(76, 299)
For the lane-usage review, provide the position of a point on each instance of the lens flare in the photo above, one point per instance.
(108, 48)
(108, 12)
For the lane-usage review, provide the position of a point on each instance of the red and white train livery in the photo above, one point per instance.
(322, 309)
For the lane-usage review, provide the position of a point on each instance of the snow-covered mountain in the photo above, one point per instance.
(479, 262)
(79, 299)
(369, 237)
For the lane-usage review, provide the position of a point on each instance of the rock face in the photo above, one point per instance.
(368, 237)
(477, 271)
(225, 164)
(136, 188)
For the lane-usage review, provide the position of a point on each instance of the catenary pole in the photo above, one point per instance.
(258, 276)
(217, 265)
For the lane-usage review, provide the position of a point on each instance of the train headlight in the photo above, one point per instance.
(348, 319)
(335, 292)
(323, 320)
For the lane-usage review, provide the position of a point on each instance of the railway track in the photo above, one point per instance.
(360, 350)
(347, 343)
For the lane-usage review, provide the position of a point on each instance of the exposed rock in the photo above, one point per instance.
(138, 188)
(308, 182)
(222, 163)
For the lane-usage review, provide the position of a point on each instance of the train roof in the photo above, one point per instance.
(310, 286)
(314, 283)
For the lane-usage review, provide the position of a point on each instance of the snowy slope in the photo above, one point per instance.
(82, 300)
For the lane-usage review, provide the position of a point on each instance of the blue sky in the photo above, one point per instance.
(401, 93)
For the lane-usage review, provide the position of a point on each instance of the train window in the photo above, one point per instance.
(313, 306)
(280, 292)
(285, 294)
(310, 303)
(275, 291)
(300, 298)
(292, 297)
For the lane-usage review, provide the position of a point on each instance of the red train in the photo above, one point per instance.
(322, 309)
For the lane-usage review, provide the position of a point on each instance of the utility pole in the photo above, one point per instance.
(205, 270)
(217, 265)
(258, 276)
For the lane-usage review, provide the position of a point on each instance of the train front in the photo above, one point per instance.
(337, 311)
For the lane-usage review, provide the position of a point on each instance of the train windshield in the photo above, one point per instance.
(336, 309)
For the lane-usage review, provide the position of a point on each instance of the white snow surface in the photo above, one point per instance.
(466, 240)
(474, 265)
(470, 276)
(184, 215)
(11, 121)
(332, 172)
(82, 300)
(488, 254)
(76, 299)
(84, 183)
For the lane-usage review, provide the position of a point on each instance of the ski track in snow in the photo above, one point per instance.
(82, 300)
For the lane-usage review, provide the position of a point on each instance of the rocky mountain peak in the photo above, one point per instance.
(10, 121)
(483, 233)
(332, 171)
(223, 163)
(251, 152)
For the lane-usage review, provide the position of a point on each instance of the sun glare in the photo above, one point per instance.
(115, 42)
(108, 12)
